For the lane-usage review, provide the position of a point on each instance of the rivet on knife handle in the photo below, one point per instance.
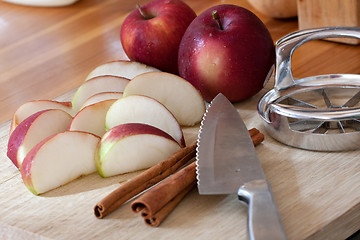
(263, 219)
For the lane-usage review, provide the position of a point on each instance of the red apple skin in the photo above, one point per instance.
(17, 137)
(29, 159)
(235, 60)
(121, 131)
(27, 164)
(15, 121)
(155, 41)
(21, 132)
(130, 129)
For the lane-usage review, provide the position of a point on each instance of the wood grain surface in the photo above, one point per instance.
(47, 52)
(325, 13)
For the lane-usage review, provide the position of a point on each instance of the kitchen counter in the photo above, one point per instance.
(46, 53)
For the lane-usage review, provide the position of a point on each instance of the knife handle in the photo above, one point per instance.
(264, 221)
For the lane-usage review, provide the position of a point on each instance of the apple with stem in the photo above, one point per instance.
(151, 34)
(227, 49)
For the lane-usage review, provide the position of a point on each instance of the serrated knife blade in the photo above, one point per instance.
(227, 163)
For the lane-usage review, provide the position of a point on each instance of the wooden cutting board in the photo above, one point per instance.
(317, 193)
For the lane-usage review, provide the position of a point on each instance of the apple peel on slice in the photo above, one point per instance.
(99, 97)
(182, 99)
(92, 118)
(143, 109)
(132, 146)
(58, 160)
(121, 68)
(31, 107)
(33, 130)
(97, 85)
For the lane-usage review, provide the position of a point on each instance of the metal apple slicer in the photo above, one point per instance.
(320, 113)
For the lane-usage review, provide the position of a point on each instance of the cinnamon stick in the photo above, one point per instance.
(257, 138)
(156, 204)
(253, 132)
(149, 178)
(159, 201)
(144, 180)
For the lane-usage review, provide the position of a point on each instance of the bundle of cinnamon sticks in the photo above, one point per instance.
(157, 203)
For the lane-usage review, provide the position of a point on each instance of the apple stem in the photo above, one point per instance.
(141, 11)
(216, 17)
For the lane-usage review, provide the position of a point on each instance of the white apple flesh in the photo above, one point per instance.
(182, 99)
(34, 129)
(126, 69)
(31, 107)
(131, 147)
(58, 160)
(102, 97)
(91, 118)
(143, 109)
(97, 85)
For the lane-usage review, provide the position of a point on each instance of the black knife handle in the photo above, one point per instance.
(264, 221)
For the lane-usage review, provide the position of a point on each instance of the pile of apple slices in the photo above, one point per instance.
(126, 116)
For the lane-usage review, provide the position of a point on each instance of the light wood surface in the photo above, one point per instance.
(326, 13)
(48, 52)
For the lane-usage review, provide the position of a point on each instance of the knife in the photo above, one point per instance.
(227, 163)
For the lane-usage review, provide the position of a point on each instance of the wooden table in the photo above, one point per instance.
(47, 52)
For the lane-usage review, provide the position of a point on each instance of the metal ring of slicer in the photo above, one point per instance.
(319, 113)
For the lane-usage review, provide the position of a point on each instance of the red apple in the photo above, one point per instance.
(227, 49)
(152, 33)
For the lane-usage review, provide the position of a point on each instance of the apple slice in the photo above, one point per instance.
(102, 97)
(58, 160)
(97, 85)
(31, 107)
(143, 109)
(34, 129)
(92, 118)
(126, 69)
(132, 146)
(177, 94)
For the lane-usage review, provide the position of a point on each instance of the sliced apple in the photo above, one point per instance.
(102, 97)
(34, 129)
(131, 147)
(143, 109)
(126, 69)
(177, 94)
(92, 118)
(58, 160)
(97, 85)
(31, 107)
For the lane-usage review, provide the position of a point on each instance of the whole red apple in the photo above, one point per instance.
(227, 49)
(151, 34)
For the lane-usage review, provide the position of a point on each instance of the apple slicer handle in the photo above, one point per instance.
(264, 221)
(286, 46)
